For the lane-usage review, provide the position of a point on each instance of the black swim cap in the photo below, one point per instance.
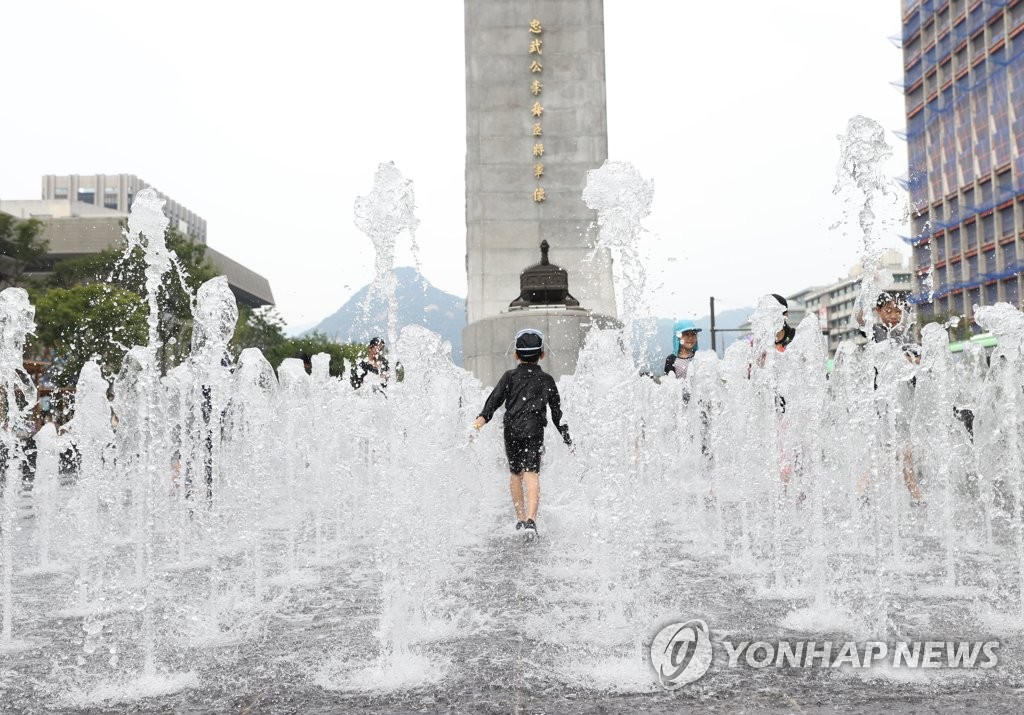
(897, 297)
(529, 342)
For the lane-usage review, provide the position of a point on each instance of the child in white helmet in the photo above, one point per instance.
(684, 340)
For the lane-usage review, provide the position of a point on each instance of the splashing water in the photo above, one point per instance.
(859, 177)
(230, 531)
(622, 199)
(382, 215)
(17, 399)
(349, 551)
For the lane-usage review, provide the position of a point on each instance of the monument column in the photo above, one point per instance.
(536, 122)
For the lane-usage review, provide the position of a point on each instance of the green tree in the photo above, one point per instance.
(86, 320)
(96, 304)
(105, 300)
(20, 247)
(960, 331)
(261, 328)
(91, 268)
(313, 344)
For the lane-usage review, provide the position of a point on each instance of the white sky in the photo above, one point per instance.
(269, 119)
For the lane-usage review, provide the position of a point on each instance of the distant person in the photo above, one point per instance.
(892, 311)
(527, 392)
(782, 338)
(373, 364)
(684, 340)
(307, 361)
(787, 332)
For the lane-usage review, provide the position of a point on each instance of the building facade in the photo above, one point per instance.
(836, 304)
(116, 192)
(964, 87)
(74, 228)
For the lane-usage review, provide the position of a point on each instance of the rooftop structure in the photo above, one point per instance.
(77, 228)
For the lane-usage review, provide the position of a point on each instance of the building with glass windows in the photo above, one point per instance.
(836, 304)
(116, 192)
(85, 214)
(964, 87)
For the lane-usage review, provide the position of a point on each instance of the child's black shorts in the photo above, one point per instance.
(523, 452)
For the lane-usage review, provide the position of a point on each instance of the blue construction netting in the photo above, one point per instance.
(943, 103)
(937, 225)
(916, 126)
(944, 45)
(973, 281)
(947, 118)
(915, 73)
(912, 26)
(974, 22)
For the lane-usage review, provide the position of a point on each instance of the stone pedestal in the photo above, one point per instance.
(536, 121)
(487, 344)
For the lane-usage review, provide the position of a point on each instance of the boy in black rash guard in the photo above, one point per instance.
(526, 391)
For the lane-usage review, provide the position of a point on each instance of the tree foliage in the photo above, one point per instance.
(263, 328)
(96, 305)
(91, 268)
(87, 320)
(20, 247)
(960, 331)
(318, 343)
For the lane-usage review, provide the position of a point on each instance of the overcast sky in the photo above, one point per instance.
(269, 120)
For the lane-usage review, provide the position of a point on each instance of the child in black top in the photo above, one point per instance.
(526, 391)
(375, 363)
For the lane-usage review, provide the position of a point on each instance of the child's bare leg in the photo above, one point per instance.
(532, 480)
(515, 485)
(909, 476)
(863, 482)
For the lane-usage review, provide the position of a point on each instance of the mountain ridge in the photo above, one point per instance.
(421, 303)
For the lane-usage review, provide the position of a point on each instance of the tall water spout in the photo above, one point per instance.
(382, 215)
(622, 199)
(859, 175)
(17, 399)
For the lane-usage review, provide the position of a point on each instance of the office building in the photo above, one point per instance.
(964, 87)
(836, 304)
(93, 221)
(116, 192)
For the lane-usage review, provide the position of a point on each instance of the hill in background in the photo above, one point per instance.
(420, 303)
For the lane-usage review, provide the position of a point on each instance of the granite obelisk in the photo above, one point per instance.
(536, 122)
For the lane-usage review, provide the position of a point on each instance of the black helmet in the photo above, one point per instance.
(529, 342)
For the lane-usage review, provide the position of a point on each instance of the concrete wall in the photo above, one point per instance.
(486, 343)
(54, 208)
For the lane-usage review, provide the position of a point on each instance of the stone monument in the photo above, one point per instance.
(536, 123)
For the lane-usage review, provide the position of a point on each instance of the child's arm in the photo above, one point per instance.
(555, 403)
(355, 377)
(494, 401)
